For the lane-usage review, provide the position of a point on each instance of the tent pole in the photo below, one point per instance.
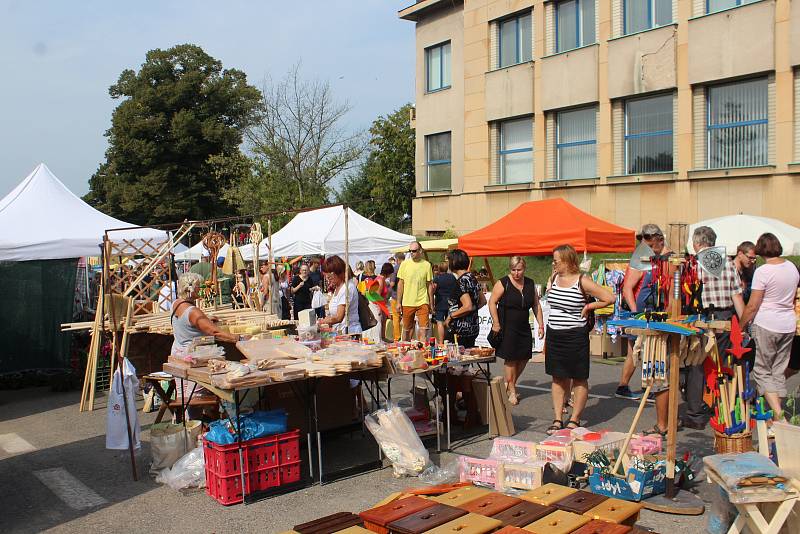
(346, 270)
(270, 259)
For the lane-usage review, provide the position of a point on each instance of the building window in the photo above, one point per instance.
(437, 150)
(738, 123)
(516, 40)
(576, 143)
(516, 151)
(648, 135)
(642, 15)
(574, 24)
(437, 67)
(712, 6)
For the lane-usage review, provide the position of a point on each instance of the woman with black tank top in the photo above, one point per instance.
(572, 297)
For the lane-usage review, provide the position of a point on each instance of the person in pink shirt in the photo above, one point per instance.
(771, 310)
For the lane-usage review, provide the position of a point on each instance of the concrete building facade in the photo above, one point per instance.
(666, 111)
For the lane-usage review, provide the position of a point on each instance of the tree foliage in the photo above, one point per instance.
(300, 137)
(177, 112)
(387, 174)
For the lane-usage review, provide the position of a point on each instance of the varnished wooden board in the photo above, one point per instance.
(559, 522)
(523, 513)
(596, 526)
(548, 494)
(461, 496)
(511, 530)
(426, 519)
(616, 511)
(385, 514)
(491, 504)
(579, 502)
(468, 524)
(354, 530)
(178, 371)
(329, 524)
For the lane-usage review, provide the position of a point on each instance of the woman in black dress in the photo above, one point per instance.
(301, 289)
(512, 297)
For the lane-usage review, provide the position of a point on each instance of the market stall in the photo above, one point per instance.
(732, 230)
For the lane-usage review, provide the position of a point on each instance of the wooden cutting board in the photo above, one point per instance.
(523, 513)
(461, 496)
(354, 530)
(616, 511)
(580, 502)
(468, 524)
(596, 526)
(329, 524)
(376, 519)
(559, 522)
(426, 519)
(491, 504)
(512, 530)
(548, 494)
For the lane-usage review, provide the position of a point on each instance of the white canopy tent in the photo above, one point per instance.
(197, 251)
(322, 232)
(43, 220)
(731, 230)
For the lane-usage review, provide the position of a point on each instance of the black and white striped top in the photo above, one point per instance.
(566, 304)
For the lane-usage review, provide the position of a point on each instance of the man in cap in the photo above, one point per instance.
(638, 294)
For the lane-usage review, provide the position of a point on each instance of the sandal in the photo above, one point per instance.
(655, 431)
(557, 425)
(573, 422)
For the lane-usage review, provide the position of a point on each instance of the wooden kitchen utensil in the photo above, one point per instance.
(548, 494)
(426, 519)
(376, 519)
(491, 504)
(524, 513)
(579, 502)
(559, 522)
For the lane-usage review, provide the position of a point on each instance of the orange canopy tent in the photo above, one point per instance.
(536, 228)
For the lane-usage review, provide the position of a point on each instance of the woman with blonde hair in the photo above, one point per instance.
(189, 321)
(512, 298)
(572, 298)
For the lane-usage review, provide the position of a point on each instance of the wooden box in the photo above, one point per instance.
(548, 494)
(468, 524)
(426, 519)
(523, 514)
(460, 496)
(579, 502)
(559, 522)
(376, 519)
(491, 504)
(329, 524)
(596, 526)
(616, 511)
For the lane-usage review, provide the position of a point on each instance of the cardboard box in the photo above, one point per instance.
(601, 346)
(637, 486)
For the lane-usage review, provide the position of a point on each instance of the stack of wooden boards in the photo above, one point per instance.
(466, 509)
(499, 407)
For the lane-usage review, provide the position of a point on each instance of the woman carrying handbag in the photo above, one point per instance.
(512, 298)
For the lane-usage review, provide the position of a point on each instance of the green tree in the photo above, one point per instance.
(387, 174)
(180, 109)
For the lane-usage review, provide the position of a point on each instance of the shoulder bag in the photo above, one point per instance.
(495, 339)
(588, 299)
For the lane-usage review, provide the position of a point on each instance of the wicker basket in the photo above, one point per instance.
(742, 442)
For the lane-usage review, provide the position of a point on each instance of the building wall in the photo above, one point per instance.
(682, 59)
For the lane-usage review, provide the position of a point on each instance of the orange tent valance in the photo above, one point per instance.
(536, 228)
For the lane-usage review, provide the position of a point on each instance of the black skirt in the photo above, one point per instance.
(567, 353)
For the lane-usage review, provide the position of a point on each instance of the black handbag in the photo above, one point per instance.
(495, 339)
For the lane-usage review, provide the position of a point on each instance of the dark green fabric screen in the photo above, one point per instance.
(37, 297)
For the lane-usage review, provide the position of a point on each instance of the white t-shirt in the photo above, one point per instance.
(779, 284)
(338, 299)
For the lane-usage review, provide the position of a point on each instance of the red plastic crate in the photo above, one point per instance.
(269, 462)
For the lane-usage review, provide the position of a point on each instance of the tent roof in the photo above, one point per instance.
(322, 232)
(41, 220)
(197, 251)
(731, 230)
(536, 228)
(432, 245)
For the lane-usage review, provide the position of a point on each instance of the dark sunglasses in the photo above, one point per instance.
(648, 237)
(412, 251)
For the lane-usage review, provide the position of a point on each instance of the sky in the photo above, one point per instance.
(59, 57)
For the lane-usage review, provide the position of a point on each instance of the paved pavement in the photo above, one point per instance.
(56, 474)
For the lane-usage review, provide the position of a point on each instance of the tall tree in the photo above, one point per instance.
(387, 174)
(180, 109)
(300, 136)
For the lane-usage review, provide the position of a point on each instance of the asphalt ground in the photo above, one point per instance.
(56, 474)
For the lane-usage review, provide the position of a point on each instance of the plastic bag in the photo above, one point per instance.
(116, 428)
(254, 425)
(188, 472)
(396, 436)
(318, 299)
(435, 475)
(168, 442)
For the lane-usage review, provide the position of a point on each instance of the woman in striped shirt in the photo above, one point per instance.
(572, 297)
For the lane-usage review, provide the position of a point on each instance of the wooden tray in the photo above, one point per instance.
(426, 519)
(579, 502)
(523, 513)
(616, 511)
(460, 496)
(376, 519)
(548, 494)
(596, 526)
(329, 524)
(468, 524)
(559, 522)
(491, 504)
